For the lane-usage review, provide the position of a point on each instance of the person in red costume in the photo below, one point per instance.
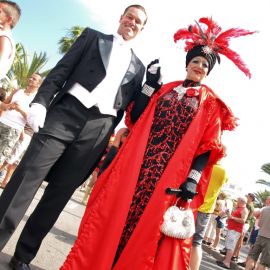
(174, 140)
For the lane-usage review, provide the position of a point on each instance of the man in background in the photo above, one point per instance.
(250, 207)
(14, 137)
(235, 226)
(261, 247)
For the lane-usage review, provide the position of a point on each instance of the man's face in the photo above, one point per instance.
(240, 202)
(34, 81)
(131, 23)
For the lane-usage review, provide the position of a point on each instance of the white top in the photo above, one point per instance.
(264, 221)
(104, 94)
(14, 119)
(5, 63)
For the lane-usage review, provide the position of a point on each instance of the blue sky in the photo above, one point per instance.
(44, 22)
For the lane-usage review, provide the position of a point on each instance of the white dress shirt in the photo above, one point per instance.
(104, 94)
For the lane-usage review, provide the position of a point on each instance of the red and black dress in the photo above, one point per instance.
(171, 120)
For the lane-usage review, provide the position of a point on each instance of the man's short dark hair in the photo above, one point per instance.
(251, 195)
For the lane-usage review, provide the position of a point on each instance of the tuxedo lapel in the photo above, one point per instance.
(132, 69)
(105, 48)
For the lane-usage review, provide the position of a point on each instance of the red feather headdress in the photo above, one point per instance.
(213, 40)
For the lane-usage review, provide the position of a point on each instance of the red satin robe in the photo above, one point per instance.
(109, 203)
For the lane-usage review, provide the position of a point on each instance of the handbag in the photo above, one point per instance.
(178, 223)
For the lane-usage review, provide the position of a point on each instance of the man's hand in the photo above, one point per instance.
(36, 116)
(8, 106)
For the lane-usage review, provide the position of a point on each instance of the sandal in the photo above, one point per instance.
(243, 264)
(222, 264)
(223, 252)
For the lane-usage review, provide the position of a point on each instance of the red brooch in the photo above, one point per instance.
(192, 92)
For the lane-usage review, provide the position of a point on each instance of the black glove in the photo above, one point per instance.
(188, 189)
(152, 79)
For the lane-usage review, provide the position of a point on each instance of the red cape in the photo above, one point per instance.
(108, 206)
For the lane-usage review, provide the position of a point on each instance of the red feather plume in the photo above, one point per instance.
(217, 41)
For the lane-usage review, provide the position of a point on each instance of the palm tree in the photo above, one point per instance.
(66, 42)
(22, 68)
(20, 52)
(260, 197)
(266, 169)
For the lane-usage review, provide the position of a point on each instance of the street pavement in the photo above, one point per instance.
(208, 262)
(210, 257)
(60, 239)
(58, 242)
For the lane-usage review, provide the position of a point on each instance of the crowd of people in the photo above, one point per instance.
(59, 130)
(242, 224)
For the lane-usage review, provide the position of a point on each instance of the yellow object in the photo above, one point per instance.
(218, 178)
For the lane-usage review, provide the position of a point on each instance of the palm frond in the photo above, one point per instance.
(263, 182)
(23, 67)
(66, 42)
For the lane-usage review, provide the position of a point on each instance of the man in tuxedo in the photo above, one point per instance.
(73, 114)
